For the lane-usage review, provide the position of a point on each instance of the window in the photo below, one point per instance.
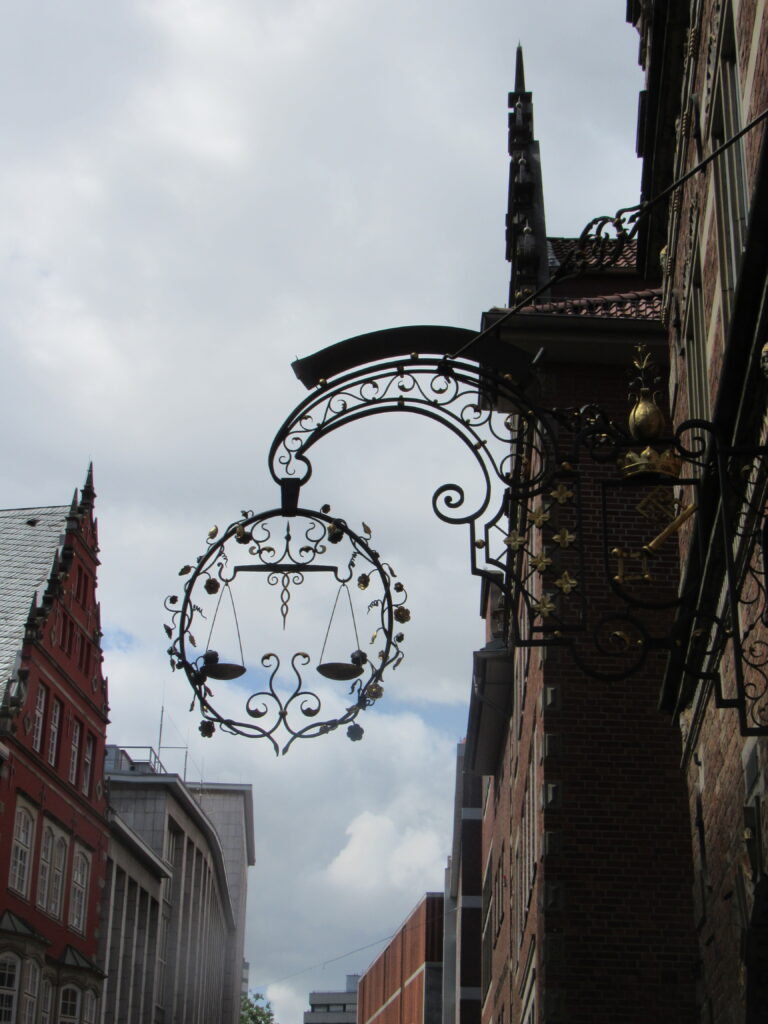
(69, 1005)
(84, 654)
(10, 967)
(67, 634)
(696, 344)
(44, 869)
(21, 851)
(87, 765)
(82, 586)
(162, 956)
(53, 735)
(57, 877)
(74, 752)
(730, 181)
(37, 730)
(31, 987)
(46, 1002)
(525, 853)
(499, 887)
(89, 1008)
(78, 900)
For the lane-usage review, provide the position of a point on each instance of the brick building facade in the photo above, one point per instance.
(625, 863)
(53, 717)
(706, 65)
(404, 983)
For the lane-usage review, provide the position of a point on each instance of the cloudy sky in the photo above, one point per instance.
(194, 193)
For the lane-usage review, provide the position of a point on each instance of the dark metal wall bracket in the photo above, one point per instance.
(542, 472)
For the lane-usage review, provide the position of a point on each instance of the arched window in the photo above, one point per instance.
(89, 1008)
(10, 968)
(57, 877)
(46, 1002)
(21, 851)
(44, 869)
(69, 1005)
(31, 988)
(78, 899)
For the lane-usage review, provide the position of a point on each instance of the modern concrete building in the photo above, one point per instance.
(334, 1007)
(463, 902)
(171, 941)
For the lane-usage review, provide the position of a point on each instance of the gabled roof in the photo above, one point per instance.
(12, 924)
(30, 539)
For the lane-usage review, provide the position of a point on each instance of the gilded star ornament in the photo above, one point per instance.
(544, 607)
(540, 562)
(566, 582)
(539, 516)
(562, 493)
(515, 540)
(564, 538)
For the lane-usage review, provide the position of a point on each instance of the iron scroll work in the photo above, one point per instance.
(577, 530)
(285, 550)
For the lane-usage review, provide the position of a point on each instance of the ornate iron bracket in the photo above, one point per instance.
(543, 474)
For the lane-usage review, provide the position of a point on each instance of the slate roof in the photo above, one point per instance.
(29, 540)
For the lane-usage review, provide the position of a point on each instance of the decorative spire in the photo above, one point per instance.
(526, 230)
(88, 493)
(519, 70)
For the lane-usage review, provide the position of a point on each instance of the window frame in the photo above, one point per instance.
(38, 726)
(44, 865)
(74, 751)
(78, 893)
(46, 1001)
(54, 729)
(22, 847)
(70, 1017)
(9, 991)
(86, 774)
(30, 993)
(58, 874)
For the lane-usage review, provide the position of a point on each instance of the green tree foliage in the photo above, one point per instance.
(256, 1009)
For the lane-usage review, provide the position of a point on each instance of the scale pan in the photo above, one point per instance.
(224, 670)
(341, 671)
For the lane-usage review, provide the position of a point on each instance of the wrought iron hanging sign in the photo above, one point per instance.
(579, 524)
(284, 550)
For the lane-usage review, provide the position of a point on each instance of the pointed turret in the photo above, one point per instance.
(526, 230)
(88, 493)
(519, 70)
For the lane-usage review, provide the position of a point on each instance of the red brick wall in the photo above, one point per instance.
(392, 989)
(608, 932)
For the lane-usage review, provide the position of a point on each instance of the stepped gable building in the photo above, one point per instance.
(173, 912)
(706, 81)
(53, 718)
(404, 983)
(586, 899)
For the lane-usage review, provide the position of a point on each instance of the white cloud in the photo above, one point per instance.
(194, 195)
